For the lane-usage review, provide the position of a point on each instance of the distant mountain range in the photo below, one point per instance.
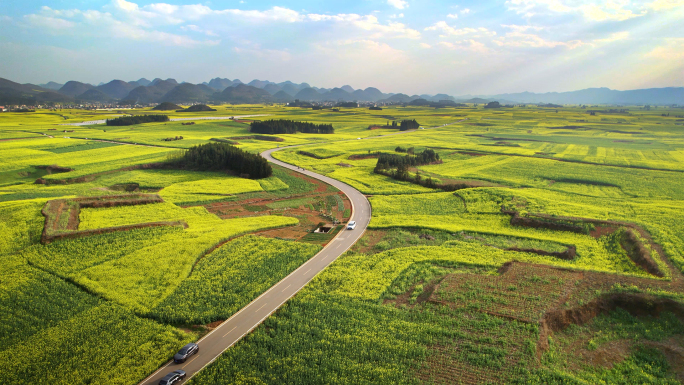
(144, 91)
(670, 95)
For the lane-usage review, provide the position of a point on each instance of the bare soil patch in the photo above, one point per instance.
(62, 216)
(553, 298)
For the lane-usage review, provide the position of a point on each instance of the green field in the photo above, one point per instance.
(428, 295)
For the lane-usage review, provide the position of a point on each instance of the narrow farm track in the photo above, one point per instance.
(248, 318)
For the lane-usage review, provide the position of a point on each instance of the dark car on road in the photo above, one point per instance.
(185, 352)
(172, 378)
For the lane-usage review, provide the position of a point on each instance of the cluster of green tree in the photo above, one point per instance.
(493, 105)
(408, 125)
(282, 126)
(347, 104)
(388, 125)
(375, 108)
(137, 119)
(388, 161)
(405, 150)
(401, 173)
(173, 139)
(221, 156)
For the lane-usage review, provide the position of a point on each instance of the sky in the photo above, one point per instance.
(409, 46)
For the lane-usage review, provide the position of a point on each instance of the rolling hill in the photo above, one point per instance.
(243, 93)
(73, 88)
(116, 89)
(188, 92)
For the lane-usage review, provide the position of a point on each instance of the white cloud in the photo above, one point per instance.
(162, 8)
(370, 23)
(614, 37)
(51, 23)
(399, 4)
(465, 11)
(663, 5)
(465, 45)
(523, 28)
(194, 28)
(531, 7)
(610, 10)
(425, 45)
(593, 10)
(273, 14)
(270, 54)
(452, 16)
(396, 16)
(672, 51)
(125, 5)
(105, 24)
(521, 39)
(126, 19)
(448, 30)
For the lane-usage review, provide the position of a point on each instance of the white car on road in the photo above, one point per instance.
(351, 225)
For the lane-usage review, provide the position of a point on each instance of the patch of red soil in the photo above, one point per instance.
(53, 211)
(602, 231)
(673, 348)
(214, 324)
(73, 219)
(636, 304)
(371, 237)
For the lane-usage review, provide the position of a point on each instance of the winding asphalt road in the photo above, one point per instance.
(244, 321)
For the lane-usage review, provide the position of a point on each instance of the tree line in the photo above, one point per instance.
(404, 125)
(397, 167)
(282, 126)
(408, 125)
(387, 161)
(221, 156)
(137, 119)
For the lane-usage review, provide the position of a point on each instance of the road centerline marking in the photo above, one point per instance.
(286, 288)
(262, 306)
(193, 359)
(229, 332)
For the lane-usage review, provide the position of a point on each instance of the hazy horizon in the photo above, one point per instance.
(411, 47)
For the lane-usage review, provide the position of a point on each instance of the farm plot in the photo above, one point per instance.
(62, 215)
(139, 268)
(427, 296)
(229, 278)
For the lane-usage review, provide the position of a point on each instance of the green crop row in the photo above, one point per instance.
(230, 277)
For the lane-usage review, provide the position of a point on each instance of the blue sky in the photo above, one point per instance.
(410, 46)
